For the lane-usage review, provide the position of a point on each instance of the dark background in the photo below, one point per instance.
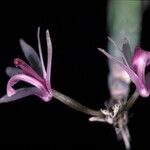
(78, 70)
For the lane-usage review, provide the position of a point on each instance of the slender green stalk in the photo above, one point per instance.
(128, 105)
(76, 105)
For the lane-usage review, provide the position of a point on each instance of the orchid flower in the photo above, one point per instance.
(34, 74)
(134, 66)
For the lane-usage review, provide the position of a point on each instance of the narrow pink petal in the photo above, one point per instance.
(11, 71)
(49, 55)
(31, 56)
(139, 62)
(21, 77)
(114, 43)
(27, 69)
(20, 93)
(126, 50)
(139, 69)
(135, 79)
(40, 52)
(120, 50)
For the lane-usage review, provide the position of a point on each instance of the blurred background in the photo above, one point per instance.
(79, 70)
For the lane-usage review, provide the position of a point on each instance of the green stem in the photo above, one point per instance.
(76, 105)
(128, 104)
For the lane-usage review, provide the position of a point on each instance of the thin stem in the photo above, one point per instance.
(76, 105)
(128, 104)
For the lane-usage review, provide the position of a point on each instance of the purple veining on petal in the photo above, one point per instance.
(23, 77)
(139, 63)
(44, 94)
(27, 69)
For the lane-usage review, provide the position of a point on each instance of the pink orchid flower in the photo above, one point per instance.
(134, 66)
(34, 74)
